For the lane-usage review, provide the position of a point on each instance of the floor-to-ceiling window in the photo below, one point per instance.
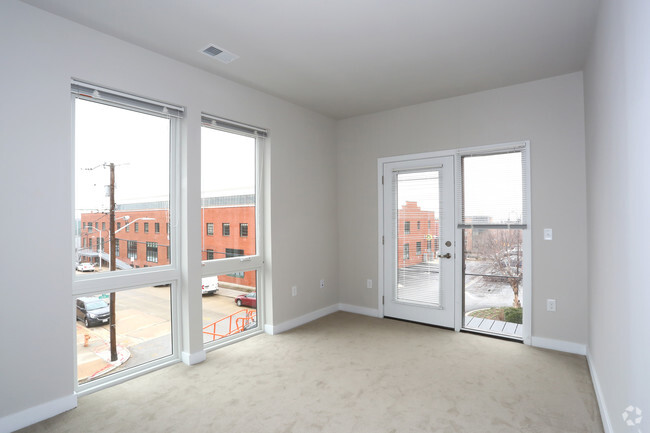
(124, 300)
(231, 162)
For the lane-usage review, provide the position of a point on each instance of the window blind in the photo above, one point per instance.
(232, 126)
(114, 97)
(492, 189)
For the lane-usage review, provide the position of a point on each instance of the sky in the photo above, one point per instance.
(492, 187)
(138, 144)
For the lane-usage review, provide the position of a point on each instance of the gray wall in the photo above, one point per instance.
(40, 53)
(617, 107)
(549, 113)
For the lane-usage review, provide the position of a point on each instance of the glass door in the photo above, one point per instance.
(493, 224)
(418, 241)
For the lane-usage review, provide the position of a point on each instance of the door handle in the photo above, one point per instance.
(445, 256)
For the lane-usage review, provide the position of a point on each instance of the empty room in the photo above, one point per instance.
(343, 216)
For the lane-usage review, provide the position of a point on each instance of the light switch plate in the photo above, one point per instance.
(548, 234)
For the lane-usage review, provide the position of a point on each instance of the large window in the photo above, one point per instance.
(230, 193)
(117, 138)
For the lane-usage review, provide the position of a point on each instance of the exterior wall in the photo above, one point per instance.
(127, 233)
(217, 242)
(428, 228)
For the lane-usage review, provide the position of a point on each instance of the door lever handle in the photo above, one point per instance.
(445, 256)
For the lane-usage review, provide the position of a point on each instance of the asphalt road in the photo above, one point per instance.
(143, 321)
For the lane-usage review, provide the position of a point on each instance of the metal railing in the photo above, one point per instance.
(235, 324)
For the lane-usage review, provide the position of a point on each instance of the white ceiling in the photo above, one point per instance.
(349, 57)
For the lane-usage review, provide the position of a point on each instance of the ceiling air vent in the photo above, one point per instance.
(219, 53)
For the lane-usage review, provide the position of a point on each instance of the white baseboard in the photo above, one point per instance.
(365, 311)
(604, 415)
(38, 413)
(298, 321)
(193, 358)
(560, 345)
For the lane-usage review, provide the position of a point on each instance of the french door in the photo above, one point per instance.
(418, 236)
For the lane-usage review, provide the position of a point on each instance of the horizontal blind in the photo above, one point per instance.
(492, 189)
(232, 126)
(114, 97)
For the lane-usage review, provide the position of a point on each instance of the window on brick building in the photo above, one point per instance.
(209, 255)
(418, 225)
(243, 230)
(136, 227)
(119, 225)
(225, 229)
(418, 248)
(132, 250)
(146, 227)
(152, 252)
(209, 228)
(117, 247)
(156, 227)
(407, 227)
(407, 254)
(103, 226)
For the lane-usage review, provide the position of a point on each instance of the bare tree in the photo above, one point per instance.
(502, 250)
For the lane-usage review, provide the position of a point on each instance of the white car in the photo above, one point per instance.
(210, 285)
(85, 267)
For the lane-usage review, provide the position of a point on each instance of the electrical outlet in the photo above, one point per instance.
(294, 291)
(550, 305)
(322, 284)
(369, 283)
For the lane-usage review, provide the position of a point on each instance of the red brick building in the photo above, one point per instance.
(418, 234)
(142, 233)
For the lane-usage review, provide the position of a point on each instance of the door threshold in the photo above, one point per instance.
(446, 328)
(506, 337)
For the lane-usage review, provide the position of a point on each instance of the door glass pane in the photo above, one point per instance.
(228, 182)
(142, 331)
(493, 275)
(416, 222)
(493, 189)
(229, 304)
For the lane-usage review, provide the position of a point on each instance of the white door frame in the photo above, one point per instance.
(527, 236)
(444, 314)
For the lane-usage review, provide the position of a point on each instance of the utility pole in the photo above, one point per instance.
(111, 240)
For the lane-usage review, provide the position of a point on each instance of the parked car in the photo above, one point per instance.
(210, 285)
(92, 311)
(85, 267)
(249, 300)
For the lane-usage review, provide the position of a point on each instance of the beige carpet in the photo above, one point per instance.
(349, 373)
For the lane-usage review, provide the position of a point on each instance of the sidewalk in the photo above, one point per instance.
(93, 360)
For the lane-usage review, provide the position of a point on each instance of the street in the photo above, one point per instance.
(143, 328)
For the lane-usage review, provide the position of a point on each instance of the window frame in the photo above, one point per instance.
(209, 229)
(124, 280)
(253, 262)
(225, 227)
